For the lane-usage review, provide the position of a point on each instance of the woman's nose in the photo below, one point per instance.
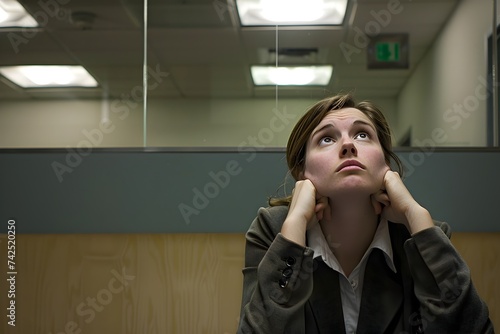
(348, 149)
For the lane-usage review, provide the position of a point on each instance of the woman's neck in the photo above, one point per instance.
(350, 230)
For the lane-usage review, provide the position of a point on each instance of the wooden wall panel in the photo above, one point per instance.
(159, 283)
(481, 251)
(119, 284)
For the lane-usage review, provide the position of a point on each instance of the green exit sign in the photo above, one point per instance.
(388, 51)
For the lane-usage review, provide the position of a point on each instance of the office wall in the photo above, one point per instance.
(444, 101)
(170, 122)
(209, 191)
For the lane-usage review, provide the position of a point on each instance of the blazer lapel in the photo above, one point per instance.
(382, 296)
(325, 301)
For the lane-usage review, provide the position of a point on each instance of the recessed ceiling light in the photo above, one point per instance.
(291, 12)
(13, 14)
(34, 76)
(291, 75)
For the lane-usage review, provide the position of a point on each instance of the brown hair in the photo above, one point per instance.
(296, 147)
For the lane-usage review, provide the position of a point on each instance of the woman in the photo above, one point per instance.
(351, 250)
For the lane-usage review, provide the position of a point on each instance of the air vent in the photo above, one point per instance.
(289, 56)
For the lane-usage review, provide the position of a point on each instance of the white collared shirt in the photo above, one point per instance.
(352, 286)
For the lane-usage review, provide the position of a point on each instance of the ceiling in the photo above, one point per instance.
(201, 50)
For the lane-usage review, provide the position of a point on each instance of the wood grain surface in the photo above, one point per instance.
(159, 283)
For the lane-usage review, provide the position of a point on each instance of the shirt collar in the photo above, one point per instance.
(381, 240)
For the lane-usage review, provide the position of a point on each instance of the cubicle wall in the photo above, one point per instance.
(152, 241)
(218, 191)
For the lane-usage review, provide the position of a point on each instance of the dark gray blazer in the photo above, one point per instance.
(286, 291)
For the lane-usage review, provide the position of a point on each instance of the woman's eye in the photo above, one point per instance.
(326, 140)
(362, 135)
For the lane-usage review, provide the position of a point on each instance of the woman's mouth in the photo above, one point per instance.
(350, 165)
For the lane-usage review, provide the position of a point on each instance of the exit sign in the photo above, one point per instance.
(387, 51)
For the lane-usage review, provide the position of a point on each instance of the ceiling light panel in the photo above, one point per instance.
(291, 12)
(291, 75)
(36, 76)
(13, 14)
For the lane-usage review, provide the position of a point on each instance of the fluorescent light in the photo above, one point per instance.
(13, 14)
(32, 76)
(291, 12)
(291, 75)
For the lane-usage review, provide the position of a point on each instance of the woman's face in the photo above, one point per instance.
(344, 155)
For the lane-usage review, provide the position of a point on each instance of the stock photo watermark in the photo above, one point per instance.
(221, 7)
(450, 291)
(219, 180)
(11, 272)
(372, 28)
(50, 9)
(87, 309)
(94, 137)
(263, 311)
(454, 115)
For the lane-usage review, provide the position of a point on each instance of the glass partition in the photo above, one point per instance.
(184, 77)
(429, 76)
(105, 39)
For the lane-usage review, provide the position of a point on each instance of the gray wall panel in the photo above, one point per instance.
(135, 191)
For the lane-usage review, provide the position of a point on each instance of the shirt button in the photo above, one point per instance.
(354, 284)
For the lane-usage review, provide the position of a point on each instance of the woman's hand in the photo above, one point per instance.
(399, 206)
(307, 208)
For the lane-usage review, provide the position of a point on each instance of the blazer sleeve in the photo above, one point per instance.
(449, 303)
(277, 277)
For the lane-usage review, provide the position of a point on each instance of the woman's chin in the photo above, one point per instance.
(354, 186)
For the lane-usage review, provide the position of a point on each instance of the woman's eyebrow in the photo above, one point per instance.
(364, 123)
(329, 125)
